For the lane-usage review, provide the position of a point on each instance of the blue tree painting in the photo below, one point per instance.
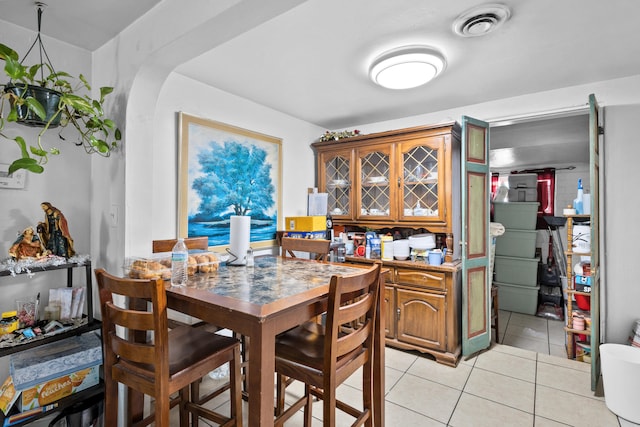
(229, 174)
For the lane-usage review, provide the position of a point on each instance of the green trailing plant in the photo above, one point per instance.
(69, 106)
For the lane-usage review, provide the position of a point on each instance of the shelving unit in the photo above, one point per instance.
(572, 334)
(90, 325)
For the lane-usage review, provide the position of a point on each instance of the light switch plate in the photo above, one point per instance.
(15, 180)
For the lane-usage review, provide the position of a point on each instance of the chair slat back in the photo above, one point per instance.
(319, 247)
(190, 242)
(353, 300)
(146, 314)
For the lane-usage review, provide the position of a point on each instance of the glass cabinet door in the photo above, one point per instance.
(337, 167)
(375, 189)
(421, 187)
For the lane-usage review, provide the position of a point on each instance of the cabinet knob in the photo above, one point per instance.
(398, 313)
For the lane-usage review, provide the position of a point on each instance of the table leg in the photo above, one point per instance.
(261, 375)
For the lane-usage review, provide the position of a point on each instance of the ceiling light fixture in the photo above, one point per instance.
(481, 20)
(406, 67)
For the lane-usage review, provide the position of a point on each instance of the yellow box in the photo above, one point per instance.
(305, 223)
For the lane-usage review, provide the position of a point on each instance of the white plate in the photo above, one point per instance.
(376, 179)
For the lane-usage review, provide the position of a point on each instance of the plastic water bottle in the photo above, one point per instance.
(577, 203)
(250, 257)
(179, 258)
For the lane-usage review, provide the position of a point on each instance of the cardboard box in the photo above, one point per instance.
(582, 280)
(305, 223)
(52, 371)
(55, 389)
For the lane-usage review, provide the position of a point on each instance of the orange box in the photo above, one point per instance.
(53, 390)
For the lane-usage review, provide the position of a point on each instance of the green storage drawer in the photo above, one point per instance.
(518, 215)
(521, 299)
(517, 243)
(516, 271)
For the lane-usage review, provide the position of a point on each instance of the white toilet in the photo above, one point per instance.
(621, 380)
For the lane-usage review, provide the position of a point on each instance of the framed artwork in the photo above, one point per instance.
(225, 170)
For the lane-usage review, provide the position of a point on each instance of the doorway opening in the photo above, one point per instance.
(559, 144)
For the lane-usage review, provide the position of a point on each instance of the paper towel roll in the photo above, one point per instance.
(239, 235)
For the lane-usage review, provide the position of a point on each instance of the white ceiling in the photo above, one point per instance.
(312, 61)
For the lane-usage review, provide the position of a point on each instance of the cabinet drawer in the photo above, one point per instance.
(429, 279)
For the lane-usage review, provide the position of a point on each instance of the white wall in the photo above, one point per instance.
(622, 149)
(183, 94)
(65, 182)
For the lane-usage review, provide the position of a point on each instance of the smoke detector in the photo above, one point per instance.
(481, 20)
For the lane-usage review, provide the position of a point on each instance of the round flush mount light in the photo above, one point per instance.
(481, 20)
(406, 67)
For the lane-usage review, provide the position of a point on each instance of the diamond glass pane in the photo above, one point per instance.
(420, 169)
(338, 185)
(375, 184)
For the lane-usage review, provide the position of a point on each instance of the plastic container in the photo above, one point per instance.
(581, 239)
(27, 309)
(517, 271)
(517, 243)
(521, 299)
(387, 248)
(158, 265)
(621, 380)
(523, 180)
(583, 302)
(375, 248)
(523, 194)
(518, 215)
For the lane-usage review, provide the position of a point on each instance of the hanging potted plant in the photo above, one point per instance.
(39, 96)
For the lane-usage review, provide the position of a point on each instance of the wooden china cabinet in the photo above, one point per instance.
(408, 179)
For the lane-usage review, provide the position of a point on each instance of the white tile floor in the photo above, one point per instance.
(524, 381)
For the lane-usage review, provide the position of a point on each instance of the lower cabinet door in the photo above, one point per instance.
(389, 312)
(421, 319)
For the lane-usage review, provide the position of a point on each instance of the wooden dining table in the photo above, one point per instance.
(262, 301)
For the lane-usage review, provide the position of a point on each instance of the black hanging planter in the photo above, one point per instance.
(48, 98)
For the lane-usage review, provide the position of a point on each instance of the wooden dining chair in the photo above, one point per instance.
(323, 357)
(157, 361)
(200, 243)
(318, 247)
(190, 242)
(167, 245)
